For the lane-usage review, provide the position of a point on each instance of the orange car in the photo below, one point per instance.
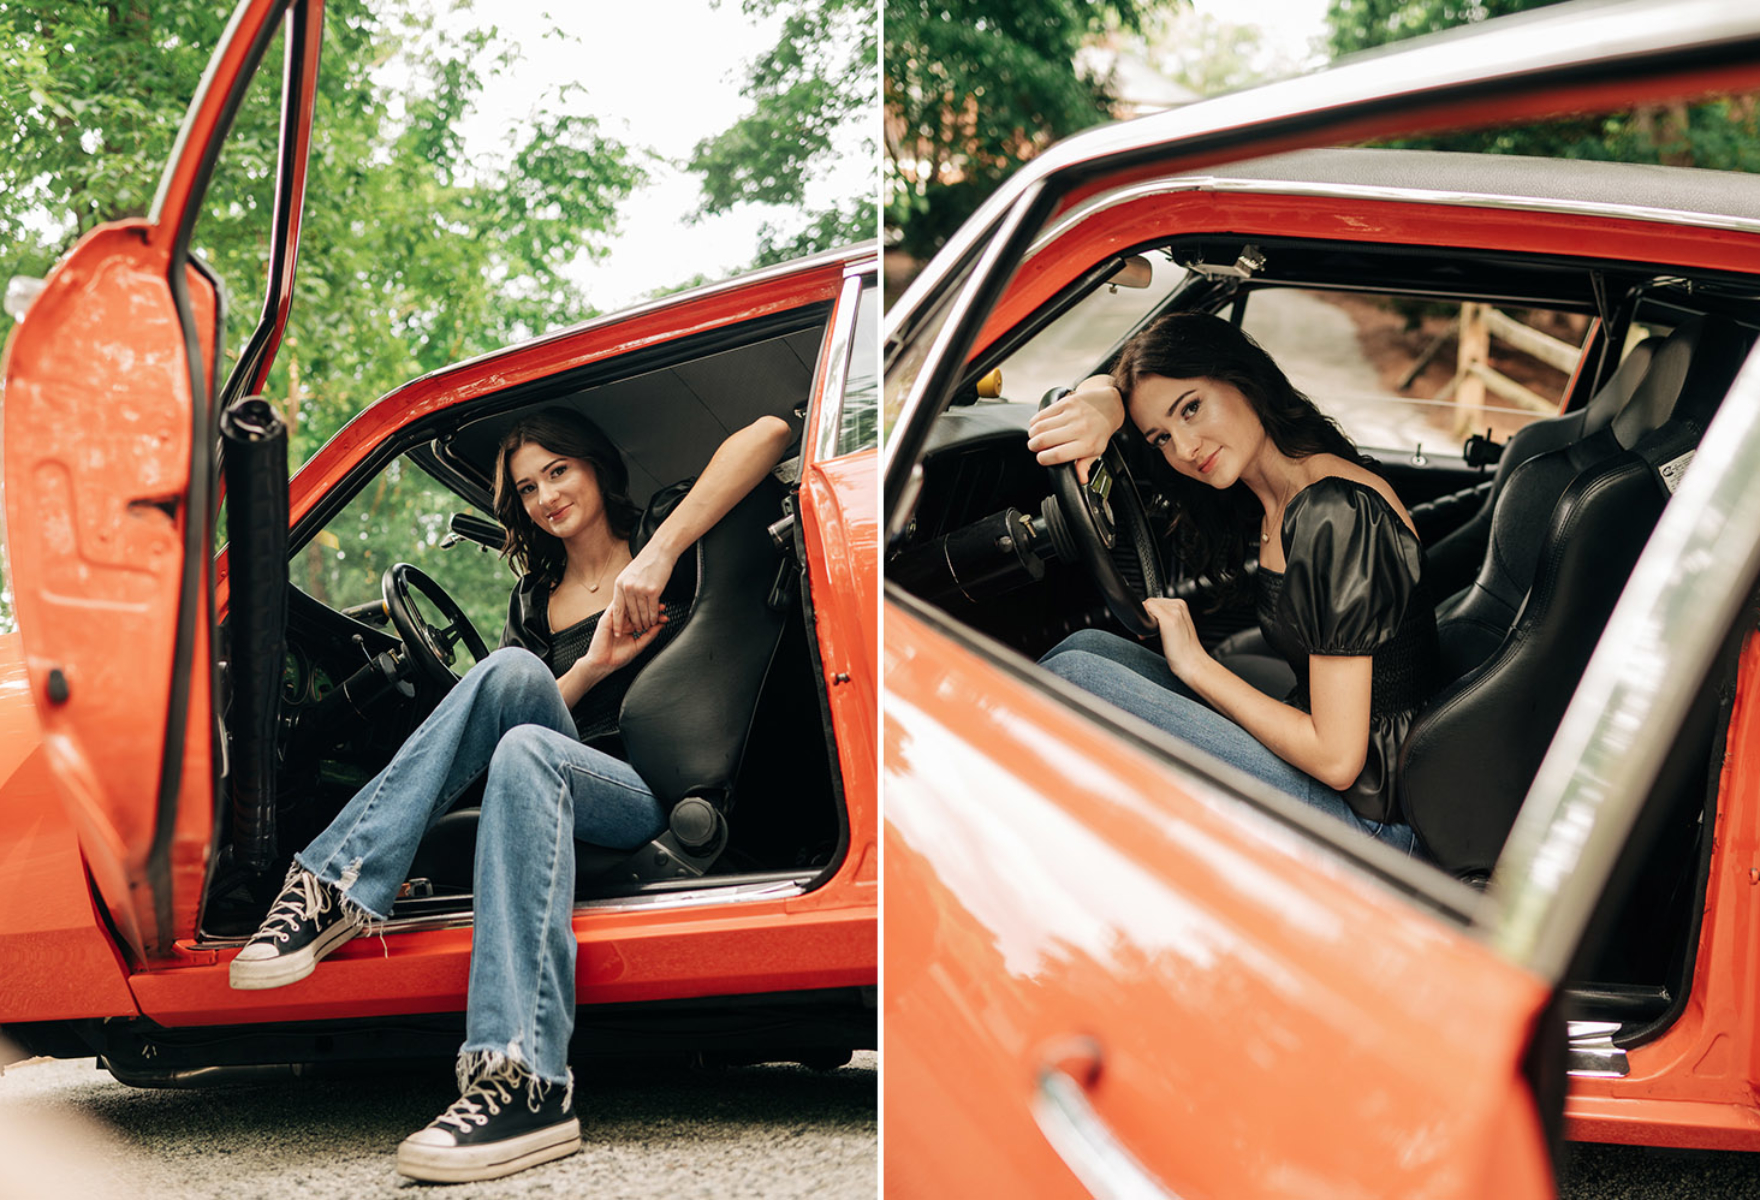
(175, 721)
(1115, 966)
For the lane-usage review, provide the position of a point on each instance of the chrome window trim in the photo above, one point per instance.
(834, 369)
(1341, 191)
(1688, 585)
(952, 329)
(710, 897)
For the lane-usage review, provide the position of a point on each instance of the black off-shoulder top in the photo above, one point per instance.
(528, 625)
(1353, 584)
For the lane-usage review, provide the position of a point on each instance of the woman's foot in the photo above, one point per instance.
(506, 1121)
(306, 922)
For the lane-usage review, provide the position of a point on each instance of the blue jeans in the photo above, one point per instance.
(1138, 680)
(544, 790)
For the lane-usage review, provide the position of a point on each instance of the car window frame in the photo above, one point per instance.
(1537, 915)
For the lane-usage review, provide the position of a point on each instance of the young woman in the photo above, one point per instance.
(1256, 468)
(584, 613)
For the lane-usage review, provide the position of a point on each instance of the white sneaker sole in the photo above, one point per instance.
(249, 975)
(463, 1164)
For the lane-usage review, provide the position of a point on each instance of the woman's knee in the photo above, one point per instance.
(1087, 670)
(512, 669)
(526, 753)
(1096, 642)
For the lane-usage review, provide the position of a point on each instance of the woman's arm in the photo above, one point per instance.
(1331, 743)
(1077, 427)
(739, 463)
(605, 653)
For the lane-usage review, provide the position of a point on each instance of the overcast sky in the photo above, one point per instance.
(1288, 25)
(662, 74)
(667, 73)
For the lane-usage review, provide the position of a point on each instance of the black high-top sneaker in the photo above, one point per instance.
(505, 1122)
(305, 923)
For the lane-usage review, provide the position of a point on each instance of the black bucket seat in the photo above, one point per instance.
(1568, 529)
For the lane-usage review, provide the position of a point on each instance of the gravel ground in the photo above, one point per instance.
(69, 1130)
(1642, 1173)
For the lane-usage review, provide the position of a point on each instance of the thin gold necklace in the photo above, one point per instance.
(604, 567)
(1265, 527)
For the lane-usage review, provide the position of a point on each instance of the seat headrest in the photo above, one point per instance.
(1606, 404)
(1687, 379)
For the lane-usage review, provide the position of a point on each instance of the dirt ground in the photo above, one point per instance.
(1393, 340)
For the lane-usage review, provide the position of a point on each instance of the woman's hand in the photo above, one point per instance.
(1077, 427)
(1185, 654)
(635, 593)
(607, 652)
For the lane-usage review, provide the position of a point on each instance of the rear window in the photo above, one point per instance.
(1400, 375)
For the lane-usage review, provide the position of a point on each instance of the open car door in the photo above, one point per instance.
(1115, 968)
(112, 398)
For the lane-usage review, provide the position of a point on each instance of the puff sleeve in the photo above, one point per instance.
(1352, 568)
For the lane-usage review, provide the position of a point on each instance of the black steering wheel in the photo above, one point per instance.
(431, 648)
(1095, 523)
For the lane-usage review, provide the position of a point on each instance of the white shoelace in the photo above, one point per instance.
(466, 1112)
(303, 898)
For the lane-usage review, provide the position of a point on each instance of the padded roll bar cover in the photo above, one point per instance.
(255, 439)
(1472, 753)
(686, 717)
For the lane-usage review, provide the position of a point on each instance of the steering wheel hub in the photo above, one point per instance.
(429, 647)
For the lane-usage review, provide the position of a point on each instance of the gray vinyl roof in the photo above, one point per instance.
(1693, 195)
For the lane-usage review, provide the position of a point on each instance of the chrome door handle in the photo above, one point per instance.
(1081, 1139)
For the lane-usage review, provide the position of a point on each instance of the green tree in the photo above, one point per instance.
(1721, 134)
(815, 89)
(412, 256)
(1363, 24)
(974, 88)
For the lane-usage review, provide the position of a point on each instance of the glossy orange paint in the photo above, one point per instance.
(839, 518)
(97, 560)
(1121, 228)
(770, 946)
(825, 938)
(97, 563)
(1046, 882)
(58, 962)
(595, 341)
(1695, 1085)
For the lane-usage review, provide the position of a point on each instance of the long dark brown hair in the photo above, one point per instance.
(1213, 529)
(562, 431)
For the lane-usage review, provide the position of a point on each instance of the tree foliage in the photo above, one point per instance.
(413, 255)
(1721, 134)
(1364, 24)
(814, 90)
(974, 88)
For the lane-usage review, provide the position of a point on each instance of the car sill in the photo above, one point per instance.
(708, 896)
